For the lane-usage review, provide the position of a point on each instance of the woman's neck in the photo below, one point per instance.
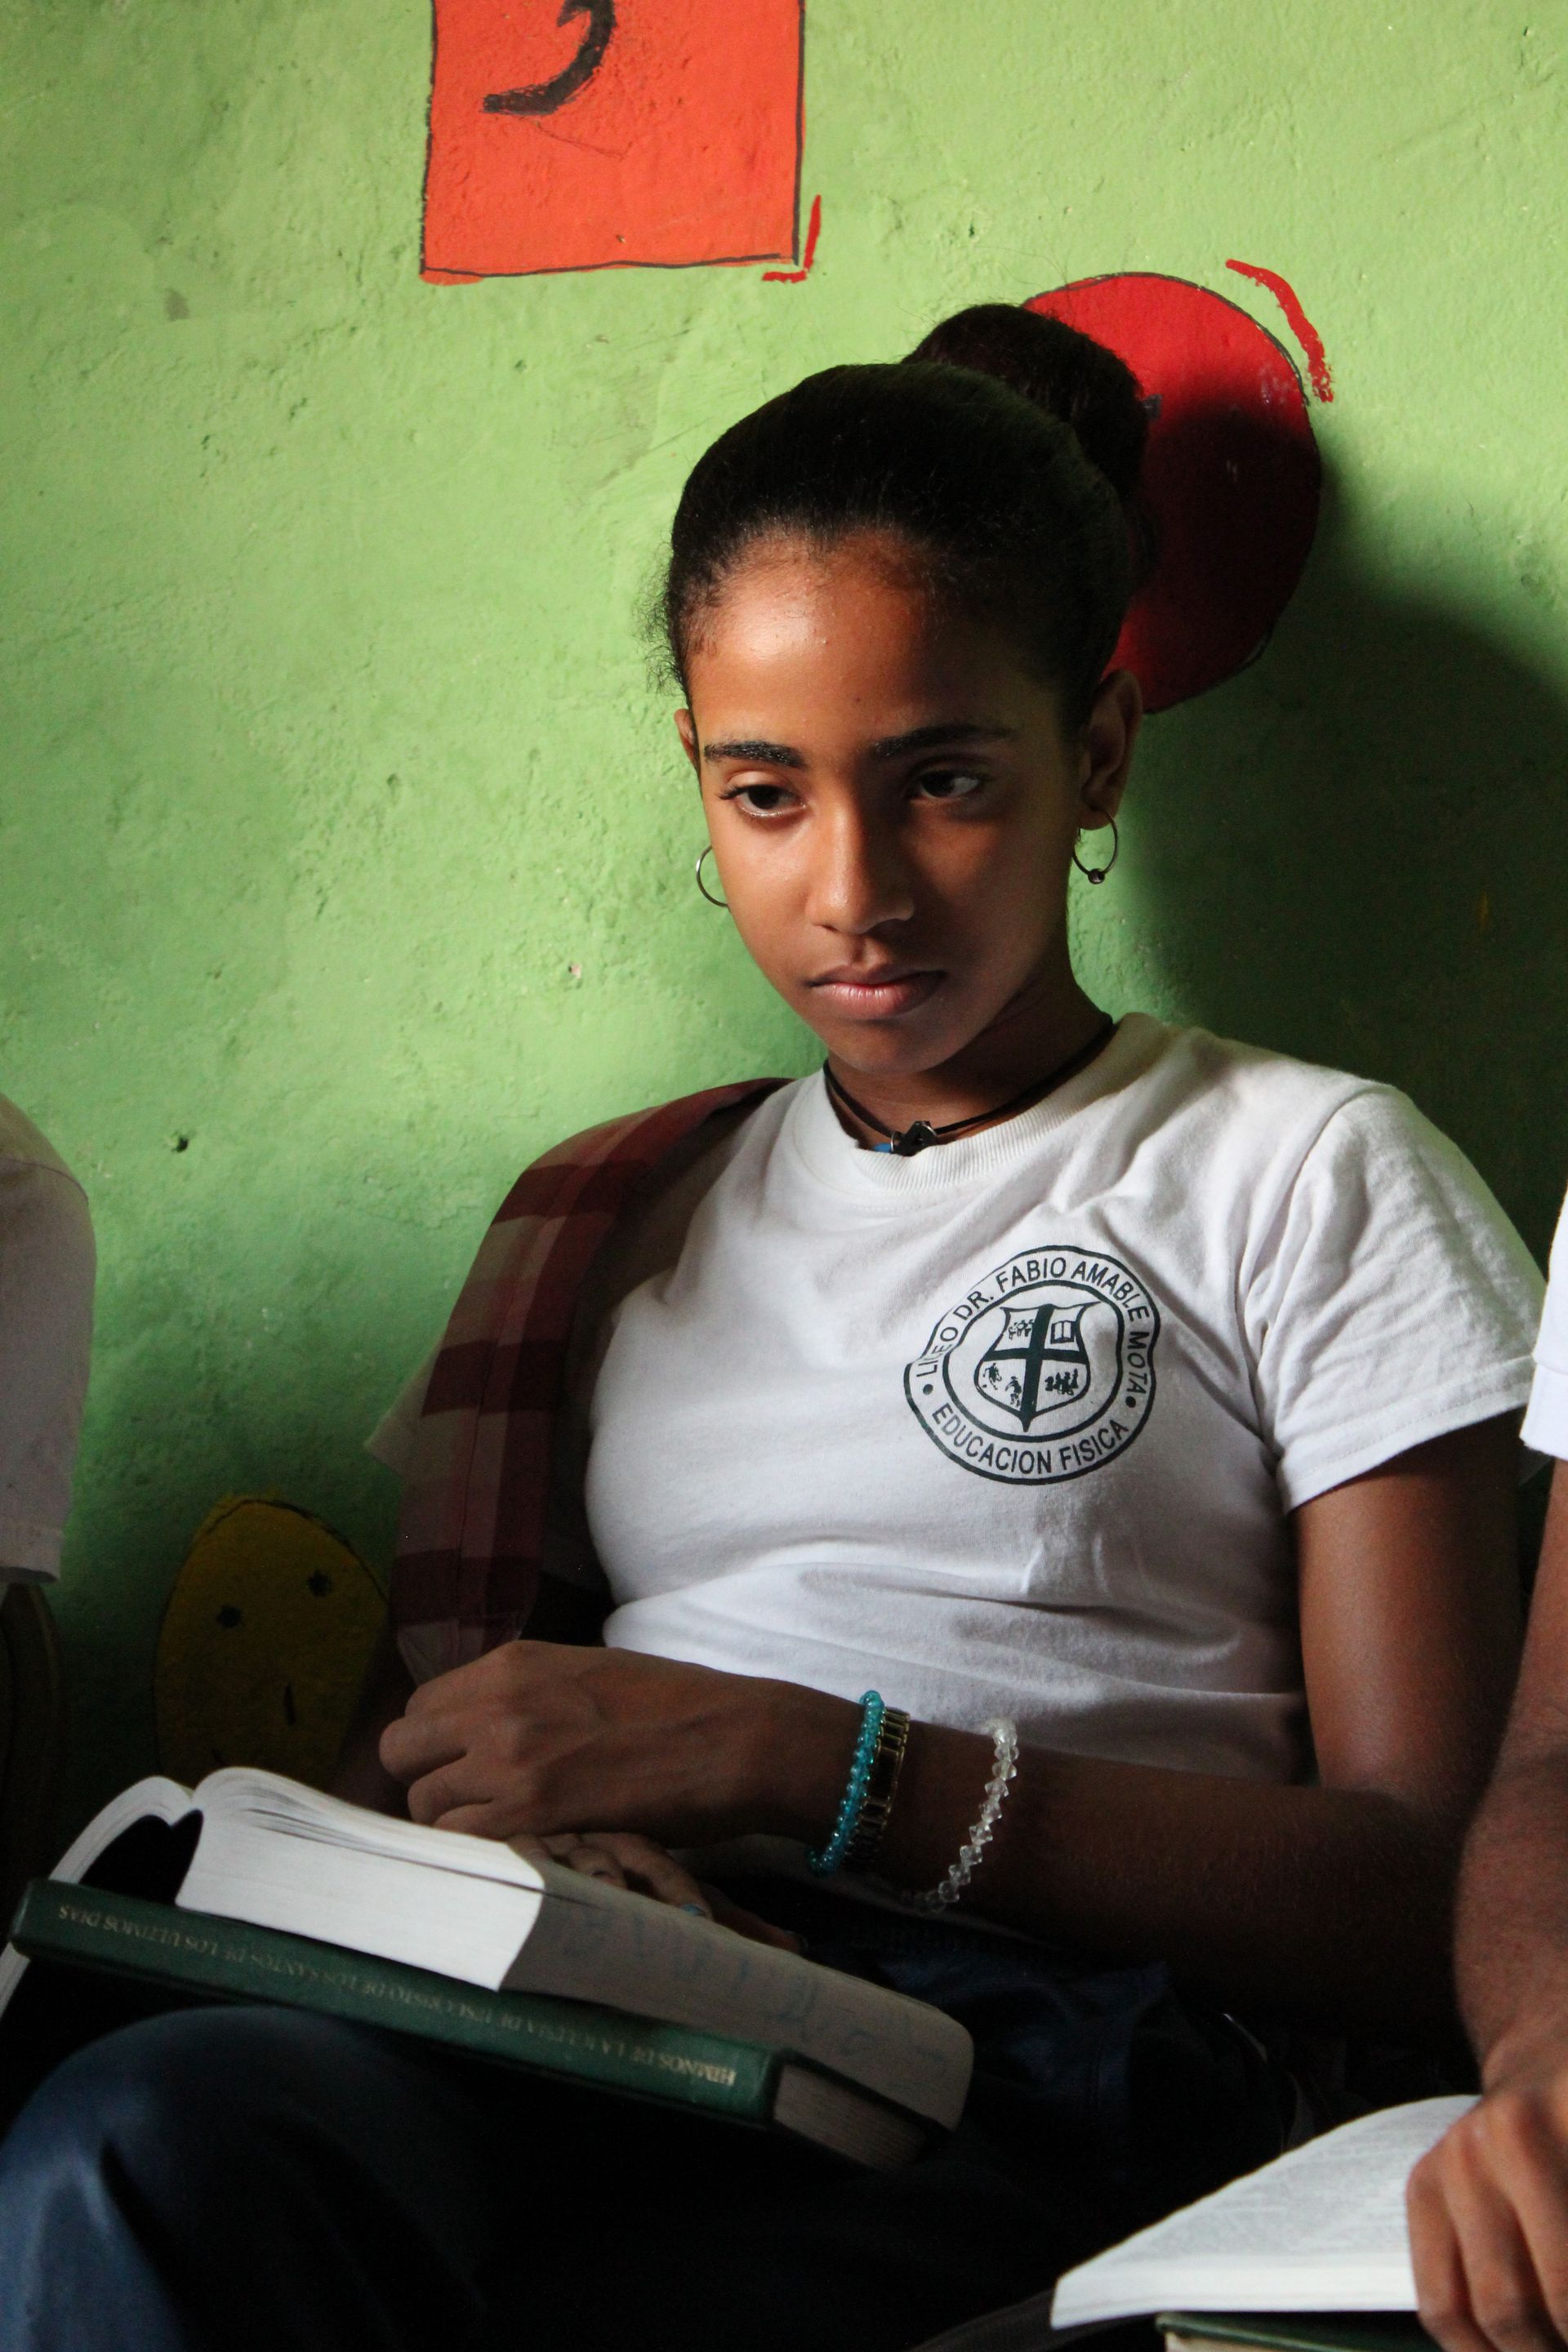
(1032, 1044)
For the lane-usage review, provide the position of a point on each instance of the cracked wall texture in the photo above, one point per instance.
(344, 847)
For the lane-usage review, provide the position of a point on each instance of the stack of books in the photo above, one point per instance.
(279, 1894)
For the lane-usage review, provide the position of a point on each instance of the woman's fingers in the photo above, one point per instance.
(650, 1869)
(479, 1820)
(616, 1858)
(433, 1801)
(1489, 2229)
(1488, 2297)
(1525, 2168)
(647, 1869)
(590, 1855)
(412, 1745)
(436, 1796)
(1442, 2298)
(528, 1849)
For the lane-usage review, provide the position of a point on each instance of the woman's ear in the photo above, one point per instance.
(1108, 738)
(686, 728)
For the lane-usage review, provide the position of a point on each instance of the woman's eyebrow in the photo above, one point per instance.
(926, 739)
(889, 747)
(777, 755)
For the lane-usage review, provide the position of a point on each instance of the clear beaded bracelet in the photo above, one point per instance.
(1003, 1734)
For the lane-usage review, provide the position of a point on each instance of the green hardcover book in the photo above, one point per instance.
(204, 1957)
(1299, 2331)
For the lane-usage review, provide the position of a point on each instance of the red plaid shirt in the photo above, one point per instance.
(471, 1535)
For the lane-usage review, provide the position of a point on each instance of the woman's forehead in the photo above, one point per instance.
(802, 626)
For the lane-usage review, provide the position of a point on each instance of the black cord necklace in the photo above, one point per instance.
(904, 1143)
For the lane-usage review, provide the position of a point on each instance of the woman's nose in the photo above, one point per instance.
(861, 878)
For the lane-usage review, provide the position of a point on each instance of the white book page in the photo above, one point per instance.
(281, 1855)
(155, 1799)
(241, 1797)
(1320, 2230)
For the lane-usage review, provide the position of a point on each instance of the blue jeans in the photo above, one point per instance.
(255, 2177)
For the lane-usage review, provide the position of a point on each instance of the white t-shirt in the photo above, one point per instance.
(1012, 1427)
(46, 1265)
(1546, 1422)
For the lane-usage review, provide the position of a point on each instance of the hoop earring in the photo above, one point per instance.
(702, 886)
(1098, 873)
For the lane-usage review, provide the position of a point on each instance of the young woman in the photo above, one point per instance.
(1095, 1392)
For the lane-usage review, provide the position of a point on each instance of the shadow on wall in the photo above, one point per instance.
(1357, 851)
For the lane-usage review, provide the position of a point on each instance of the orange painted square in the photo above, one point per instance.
(683, 146)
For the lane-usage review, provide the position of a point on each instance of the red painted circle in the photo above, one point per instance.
(1231, 479)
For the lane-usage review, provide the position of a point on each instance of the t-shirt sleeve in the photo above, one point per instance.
(47, 1269)
(1546, 1422)
(1392, 1300)
(391, 1442)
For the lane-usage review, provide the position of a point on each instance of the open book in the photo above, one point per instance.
(1322, 2228)
(1320, 2231)
(282, 1856)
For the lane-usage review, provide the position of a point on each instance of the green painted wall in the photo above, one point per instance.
(344, 850)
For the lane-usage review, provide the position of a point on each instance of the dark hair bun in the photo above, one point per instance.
(1068, 374)
(1005, 453)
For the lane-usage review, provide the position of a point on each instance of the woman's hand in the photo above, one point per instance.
(622, 1858)
(534, 1740)
(1489, 2216)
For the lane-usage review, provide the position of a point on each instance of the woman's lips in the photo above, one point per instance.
(872, 999)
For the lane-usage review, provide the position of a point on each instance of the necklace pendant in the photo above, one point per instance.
(912, 1140)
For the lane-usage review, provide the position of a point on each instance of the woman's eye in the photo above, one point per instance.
(761, 800)
(948, 784)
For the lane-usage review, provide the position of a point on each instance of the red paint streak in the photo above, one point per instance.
(1296, 318)
(812, 231)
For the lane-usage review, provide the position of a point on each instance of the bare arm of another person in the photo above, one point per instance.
(1489, 2207)
(1332, 1900)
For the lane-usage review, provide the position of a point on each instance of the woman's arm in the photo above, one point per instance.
(1489, 2207)
(1329, 1901)
(1332, 1899)
(1512, 1949)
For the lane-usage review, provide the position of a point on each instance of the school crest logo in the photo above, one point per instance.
(1043, 1371)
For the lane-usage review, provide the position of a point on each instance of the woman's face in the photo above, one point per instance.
(892, 801)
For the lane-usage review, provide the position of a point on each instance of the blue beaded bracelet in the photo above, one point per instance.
(827, 1858)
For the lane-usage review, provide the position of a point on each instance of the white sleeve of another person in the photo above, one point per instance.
(1546, 1422)
(46, 1268)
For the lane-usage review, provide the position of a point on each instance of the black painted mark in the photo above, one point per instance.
(289, 1715)
(229, 1615)
(320, 1583)
(548, 97)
